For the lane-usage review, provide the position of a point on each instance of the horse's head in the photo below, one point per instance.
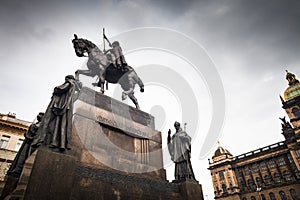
(81, 46)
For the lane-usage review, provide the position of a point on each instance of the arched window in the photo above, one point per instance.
(224, 188)
(258, 181)
(242, 183)
(296, 112)
(217, 190)
(262, 197)
(255, 167)
(297, 173)
(281, 161)
(247, 170)
(272, 196)
(268, 179)
(272, 163)
(231, 187)
(253, 198)
(293, 194)
(250, 182)
(287, 175)
(263, 166)
(282, 195)
(277, 177)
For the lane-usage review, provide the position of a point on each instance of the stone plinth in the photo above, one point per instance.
(111, 134)
(116, 154)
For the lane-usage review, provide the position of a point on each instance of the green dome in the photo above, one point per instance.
(294, 87)
(292, 92)
(221, 151)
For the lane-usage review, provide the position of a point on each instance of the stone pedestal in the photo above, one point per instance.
(191, 190)
(116, 154)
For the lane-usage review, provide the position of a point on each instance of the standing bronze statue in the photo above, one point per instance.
(25, 149)
(179, 146)
(15, 170)
(56, 126)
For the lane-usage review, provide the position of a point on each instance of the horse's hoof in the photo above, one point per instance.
(142, 89)
(124, 96)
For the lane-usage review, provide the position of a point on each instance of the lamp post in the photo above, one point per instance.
(258, 189)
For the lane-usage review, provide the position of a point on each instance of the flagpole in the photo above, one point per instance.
(103, 31)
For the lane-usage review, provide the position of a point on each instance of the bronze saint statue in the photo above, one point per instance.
(25, 150)
(56, 126)
(179, 146)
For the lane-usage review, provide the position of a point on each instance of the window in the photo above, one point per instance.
(231, 187)
(262, 197)
(297, 173)
(293, 194)
(250, 182)
(268, 179)
(272, 163)
(287, 175)
(272, 196)
(281, 161)
(224, 188)
(263, 166)
(282, 195)
(296, 112)
(290, 158)
(297, 151)
(255, 167)
(242, 184)
(258, 181)
(277, 177)
(4, 141)
(240, 172)
(253, 198)
(217, 190)
(19, 144)
(247, 170)
(221, 174)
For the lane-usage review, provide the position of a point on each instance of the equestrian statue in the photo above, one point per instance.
(109, 66)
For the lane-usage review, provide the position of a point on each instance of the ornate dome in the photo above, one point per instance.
(294, 87)
(221, 153)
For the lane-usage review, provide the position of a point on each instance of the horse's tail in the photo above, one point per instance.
(139, 81)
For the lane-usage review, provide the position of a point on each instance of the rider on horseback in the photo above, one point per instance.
(119, 59)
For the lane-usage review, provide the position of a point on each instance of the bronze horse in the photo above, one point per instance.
(99, 65)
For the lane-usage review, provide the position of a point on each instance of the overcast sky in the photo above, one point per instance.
(251, 44)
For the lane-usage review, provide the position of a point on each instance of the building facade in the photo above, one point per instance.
(271, 172)
(11, 138)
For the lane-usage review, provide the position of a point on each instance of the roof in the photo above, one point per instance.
(221, 151)
(12, 119)
(294, 87)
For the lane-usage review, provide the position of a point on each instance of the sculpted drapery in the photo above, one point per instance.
(179, 146)
(56, 126)
(25, 149)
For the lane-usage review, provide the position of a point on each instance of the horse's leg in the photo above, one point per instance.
(130, 94)
(127, 93)
(86, 72)
(134, 100)
(137, 79)
(101, 82)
